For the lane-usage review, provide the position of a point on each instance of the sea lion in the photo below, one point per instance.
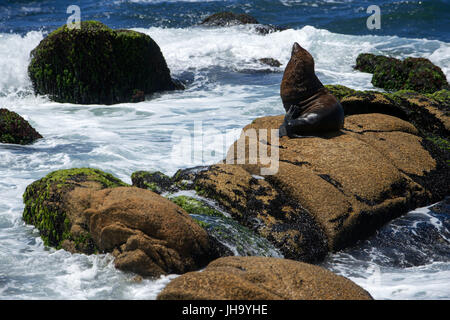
(310, 107)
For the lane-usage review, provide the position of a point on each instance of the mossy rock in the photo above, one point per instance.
(15, 129)
(418, 74)
(390, 74)
(98, 65)
(234, 238)
(339, 91)
(442, 97)
(45, 204)
(367, 62)
(183, 179)
(423, 76)
(157, 181)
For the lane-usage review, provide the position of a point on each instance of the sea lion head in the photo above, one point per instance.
(299, 80)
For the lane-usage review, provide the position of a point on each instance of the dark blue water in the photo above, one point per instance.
(428, 19)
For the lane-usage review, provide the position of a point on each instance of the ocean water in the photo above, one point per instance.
(226, 89)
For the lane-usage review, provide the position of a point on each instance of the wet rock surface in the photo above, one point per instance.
(259, 278)
(15, 129)
(330, 190)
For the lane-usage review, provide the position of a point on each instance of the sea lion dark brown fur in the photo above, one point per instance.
(310, 107)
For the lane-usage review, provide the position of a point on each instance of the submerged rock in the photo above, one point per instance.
(89, 211)
(418, 74)
(98, 65)
(260, 278)
(228, 18)
(270, 62)
(224, 19)
(15, 129)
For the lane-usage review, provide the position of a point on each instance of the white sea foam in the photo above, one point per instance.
(14, 57)
(224, 94)
(422, 282)
(239, 48)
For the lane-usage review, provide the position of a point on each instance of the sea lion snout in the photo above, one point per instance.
(296, 47)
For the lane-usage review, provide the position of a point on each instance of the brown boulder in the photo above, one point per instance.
(346, 184)
(265, 208)
(89, 211)
(261, 278)
(147, 233)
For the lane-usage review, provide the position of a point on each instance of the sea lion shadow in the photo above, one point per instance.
(321, 135)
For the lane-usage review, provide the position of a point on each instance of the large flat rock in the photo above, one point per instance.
(341, 186)
(261, 278)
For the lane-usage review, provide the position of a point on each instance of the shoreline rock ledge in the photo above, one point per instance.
(98, 65)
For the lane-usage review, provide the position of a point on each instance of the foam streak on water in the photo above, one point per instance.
(227, 89)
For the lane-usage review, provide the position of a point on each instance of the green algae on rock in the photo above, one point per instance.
(89, 211)
(46, 207)
(195, 206)
(418, 74)
(231, 237)
(15, 129)
(265, 209)
(98, 65)
(156, 181)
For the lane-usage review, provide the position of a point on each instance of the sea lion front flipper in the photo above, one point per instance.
(282, 131)
(296, 128)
